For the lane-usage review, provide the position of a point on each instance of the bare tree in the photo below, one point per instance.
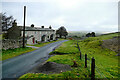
(6, 21)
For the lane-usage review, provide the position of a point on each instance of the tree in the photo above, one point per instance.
(90, 34)
(6, 21)
(93, 34)
(62, 32)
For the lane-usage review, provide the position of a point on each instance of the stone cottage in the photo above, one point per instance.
(33, 34)
(14, 32)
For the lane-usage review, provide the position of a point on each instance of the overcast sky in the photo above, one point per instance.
(75, 15)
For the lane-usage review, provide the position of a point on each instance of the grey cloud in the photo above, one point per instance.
(90, 16)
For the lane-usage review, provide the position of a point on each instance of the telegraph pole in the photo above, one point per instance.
(24, 27)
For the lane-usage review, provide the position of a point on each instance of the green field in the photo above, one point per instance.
(106, 61)
(10, 53)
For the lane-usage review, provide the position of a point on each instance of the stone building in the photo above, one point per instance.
(14, 32)
(33, 34)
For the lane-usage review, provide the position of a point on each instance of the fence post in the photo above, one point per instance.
(79, 49)
(80, 54)
(85, 60)
(93, 69)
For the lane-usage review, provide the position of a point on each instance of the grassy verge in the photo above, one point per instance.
(105, 59)
(10, 53)
(68, 47)
(43, 44)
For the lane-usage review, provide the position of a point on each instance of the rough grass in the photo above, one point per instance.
(106, 62)
(10, 53)
(68, 47)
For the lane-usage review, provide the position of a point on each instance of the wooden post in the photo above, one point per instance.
(93, 69)
(24, 27)
(80, 55)
(79, 49)
(85, 60)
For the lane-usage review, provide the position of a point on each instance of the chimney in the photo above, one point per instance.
(32, 25)
(14, 24)
(50, 27)
(42, 26)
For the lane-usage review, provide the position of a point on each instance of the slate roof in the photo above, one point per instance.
(35, 28)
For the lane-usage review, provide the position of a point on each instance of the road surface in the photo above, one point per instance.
(17, 66)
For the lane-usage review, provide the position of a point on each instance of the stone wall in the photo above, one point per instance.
(11, 44)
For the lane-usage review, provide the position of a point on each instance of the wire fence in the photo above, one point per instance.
(89, 65)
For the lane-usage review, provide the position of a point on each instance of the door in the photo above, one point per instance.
(33, 40)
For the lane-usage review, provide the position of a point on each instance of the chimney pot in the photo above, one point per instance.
(50, 27)
(32, 25)
(14, 24)
(42, 26)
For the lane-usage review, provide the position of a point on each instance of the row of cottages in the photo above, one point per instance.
(33, 34)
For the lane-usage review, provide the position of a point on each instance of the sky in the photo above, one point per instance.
(74, 15)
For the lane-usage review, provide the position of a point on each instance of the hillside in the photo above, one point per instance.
(111, 44)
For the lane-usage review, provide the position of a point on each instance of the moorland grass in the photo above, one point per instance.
(106, 60)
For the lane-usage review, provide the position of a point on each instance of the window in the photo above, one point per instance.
(25, 32)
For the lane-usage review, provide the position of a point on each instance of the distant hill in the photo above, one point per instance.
(111, 33)
(81, 33)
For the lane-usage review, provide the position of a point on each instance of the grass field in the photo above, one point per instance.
(105, 59)
(10, 53)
